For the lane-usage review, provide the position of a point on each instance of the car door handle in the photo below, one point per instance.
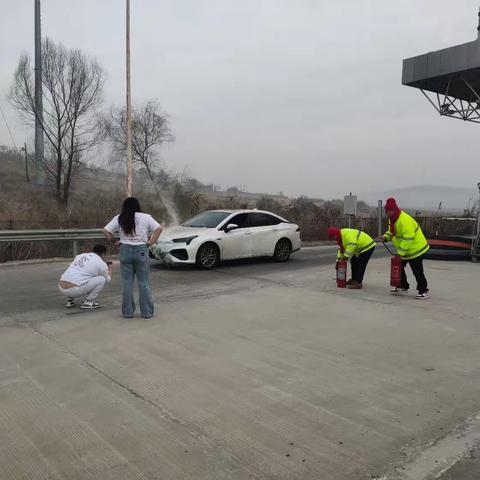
(248, 233)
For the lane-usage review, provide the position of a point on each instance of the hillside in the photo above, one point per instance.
(96, 195)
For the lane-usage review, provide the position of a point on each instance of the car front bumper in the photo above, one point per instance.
(174, 253)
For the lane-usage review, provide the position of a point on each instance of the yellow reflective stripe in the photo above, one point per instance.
(418, 252)
(401, 237)
(370, 245)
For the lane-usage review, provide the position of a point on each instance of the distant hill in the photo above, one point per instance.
(427, 197)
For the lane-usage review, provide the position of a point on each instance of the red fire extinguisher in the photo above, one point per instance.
(395, 268)
(395, 271)
(341, 268)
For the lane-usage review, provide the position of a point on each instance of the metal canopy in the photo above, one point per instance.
(449, 78)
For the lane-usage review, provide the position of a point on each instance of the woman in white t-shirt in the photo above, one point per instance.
(138, 231)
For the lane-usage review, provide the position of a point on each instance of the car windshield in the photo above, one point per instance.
(206, 220)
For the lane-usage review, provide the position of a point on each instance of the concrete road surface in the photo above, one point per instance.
(35, 281)
(253, 371)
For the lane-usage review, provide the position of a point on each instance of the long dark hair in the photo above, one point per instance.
(126, 219)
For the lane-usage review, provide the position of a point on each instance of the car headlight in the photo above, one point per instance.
(186, 240)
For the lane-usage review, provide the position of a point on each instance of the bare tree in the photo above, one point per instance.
(150, 130)
(73, 91)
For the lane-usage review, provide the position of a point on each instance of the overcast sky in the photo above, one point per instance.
(299, 96)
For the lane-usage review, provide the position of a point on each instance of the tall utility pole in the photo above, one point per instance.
(478, 28)
(25, 151)
(129, 111)
(39, 146)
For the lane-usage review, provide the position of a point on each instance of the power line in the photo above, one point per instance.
(8, 128)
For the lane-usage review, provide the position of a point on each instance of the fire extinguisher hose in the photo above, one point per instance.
(388, 250)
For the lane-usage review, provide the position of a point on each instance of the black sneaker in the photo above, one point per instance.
(89, 305)
(70, 302)
(398, 291)
(422, 296)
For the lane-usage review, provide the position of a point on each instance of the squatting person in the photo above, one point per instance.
(357, 246)
(411, 245)
(138, 231)
(85, 277)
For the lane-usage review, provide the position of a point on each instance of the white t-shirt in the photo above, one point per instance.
(84, 267)
(144, 226)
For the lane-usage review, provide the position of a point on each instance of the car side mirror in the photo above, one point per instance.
(230, 226)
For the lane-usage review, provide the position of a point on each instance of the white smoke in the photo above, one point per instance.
(169, 204)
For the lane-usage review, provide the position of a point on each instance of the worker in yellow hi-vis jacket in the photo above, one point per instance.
(357, 246)
(411, 246)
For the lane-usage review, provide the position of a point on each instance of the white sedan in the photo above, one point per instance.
(219, 235)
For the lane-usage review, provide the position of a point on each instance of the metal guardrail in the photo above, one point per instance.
(75, 235)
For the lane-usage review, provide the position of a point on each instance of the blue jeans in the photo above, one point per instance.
(134, 261)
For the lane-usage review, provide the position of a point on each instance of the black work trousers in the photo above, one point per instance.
(417, 268)
(359, 265)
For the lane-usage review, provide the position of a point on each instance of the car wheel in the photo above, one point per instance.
(283, 249)
(208, 256)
